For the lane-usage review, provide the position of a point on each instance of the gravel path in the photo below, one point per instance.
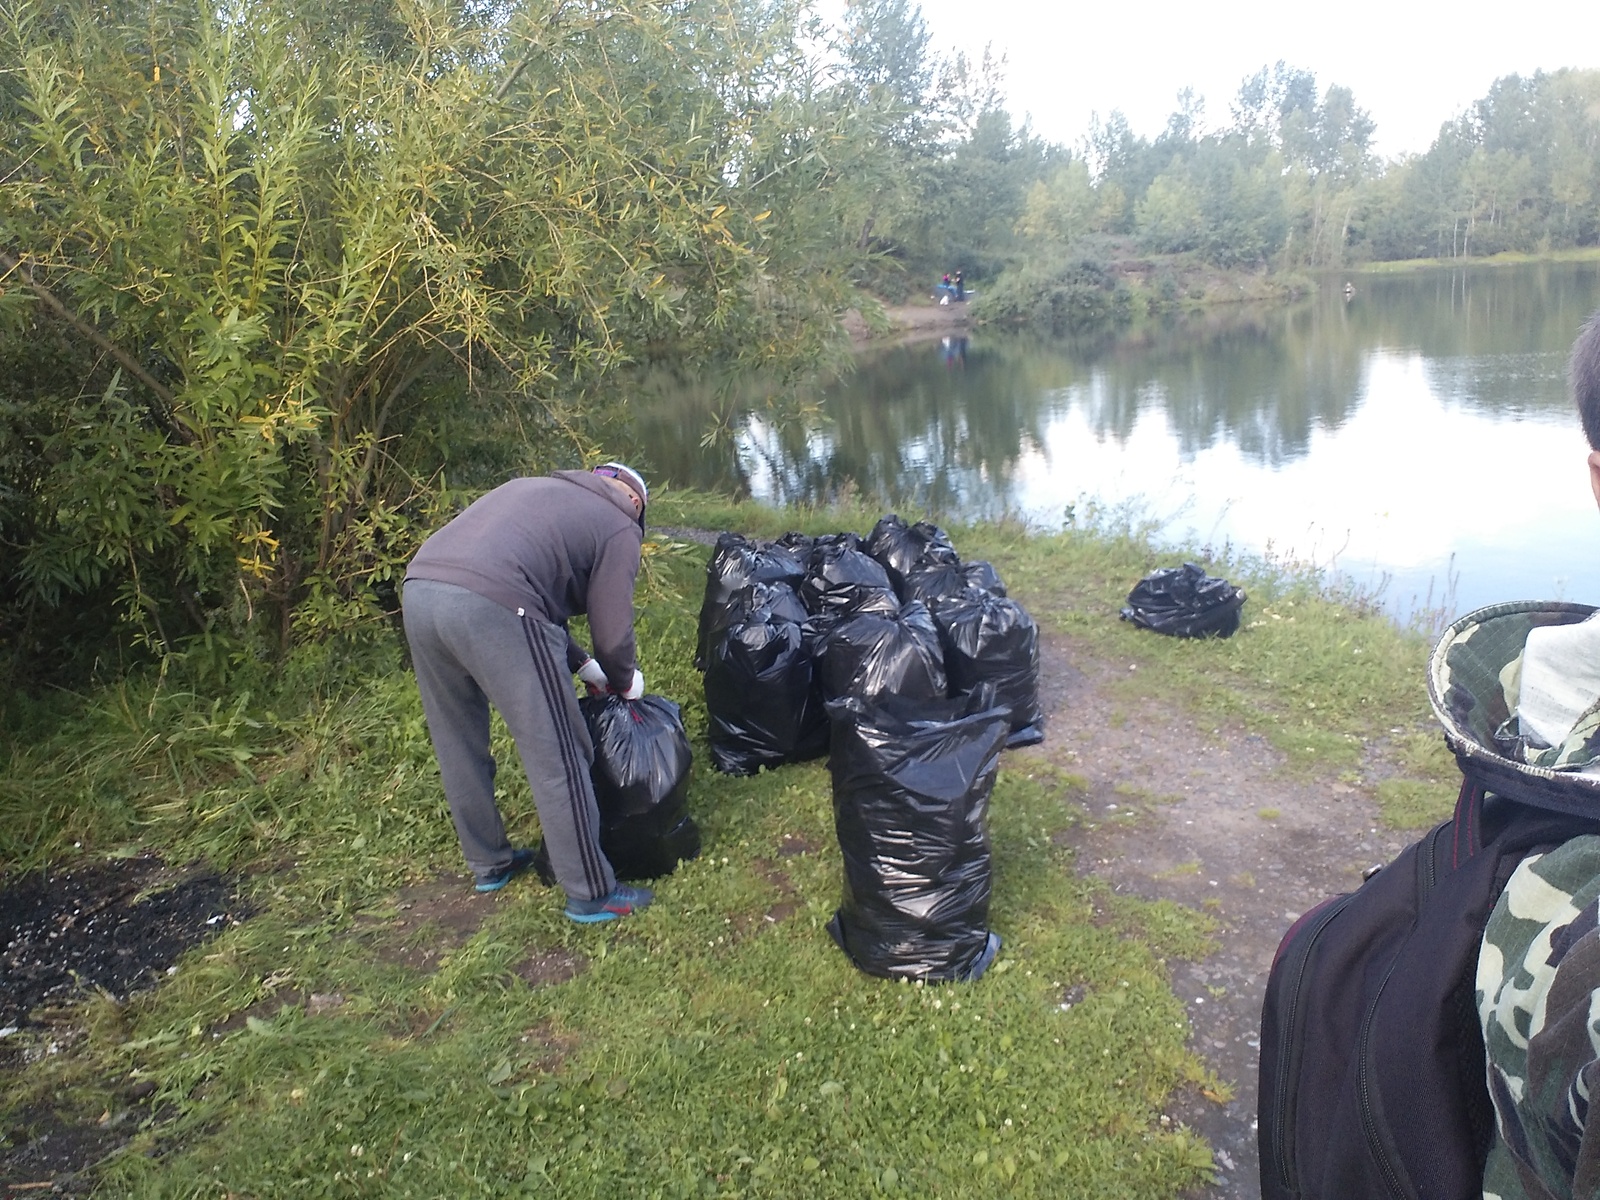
(1201, 838)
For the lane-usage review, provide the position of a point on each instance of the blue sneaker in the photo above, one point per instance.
(521, 860)
(623, 900)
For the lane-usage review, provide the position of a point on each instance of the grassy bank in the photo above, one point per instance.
(1509, 258)
(1111, 283)
(716, 1045)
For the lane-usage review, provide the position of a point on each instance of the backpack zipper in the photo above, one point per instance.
(1287, 1040)
(1369, 1121)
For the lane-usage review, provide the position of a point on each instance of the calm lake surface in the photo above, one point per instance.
(1416, 437)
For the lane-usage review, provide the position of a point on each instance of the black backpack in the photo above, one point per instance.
(1372, 1057)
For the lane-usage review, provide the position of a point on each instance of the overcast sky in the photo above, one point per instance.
(1411, 65)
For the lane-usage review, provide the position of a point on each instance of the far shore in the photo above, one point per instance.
(1400, 266)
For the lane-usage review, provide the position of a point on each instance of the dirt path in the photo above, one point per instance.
(909, 323)
(1198, 835)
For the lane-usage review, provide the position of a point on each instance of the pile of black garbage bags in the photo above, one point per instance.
(916, 670)
(791, 624)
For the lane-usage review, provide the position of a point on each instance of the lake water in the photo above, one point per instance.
(1415, 437)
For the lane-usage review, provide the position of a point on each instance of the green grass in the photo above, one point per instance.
(1409, 265)
(702, 1049)
(1412, 803)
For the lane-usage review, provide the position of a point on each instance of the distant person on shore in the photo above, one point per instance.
(486, 604)
(959, 283)
(1538, 985)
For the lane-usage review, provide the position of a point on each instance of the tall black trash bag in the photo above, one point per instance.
(641, 771)
(903, 548)
(761, 692)
(991, 639)
(735, 564)
(911, 785)
(872, 654)
(1185, 602)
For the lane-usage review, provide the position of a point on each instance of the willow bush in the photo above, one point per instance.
(257, 257)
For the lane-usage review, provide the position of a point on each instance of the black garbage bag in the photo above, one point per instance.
(844, 580)
(641, 771)
(911, 785)
(993, 640)
(798, 544)
(871, 654)
(779, 600)
(735, 564)
(1185, 602)
(983, 576)
(937, 582)
(762, 697)
(933, 583)
(809, 546)
(902, 548)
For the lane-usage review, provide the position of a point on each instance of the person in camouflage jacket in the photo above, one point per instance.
(1538, 982)
(1539, 1001)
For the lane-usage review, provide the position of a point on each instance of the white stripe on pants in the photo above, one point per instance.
(470, 652)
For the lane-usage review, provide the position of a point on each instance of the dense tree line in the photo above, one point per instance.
(1288, 181)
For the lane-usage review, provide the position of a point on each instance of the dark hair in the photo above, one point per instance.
(1583, 376)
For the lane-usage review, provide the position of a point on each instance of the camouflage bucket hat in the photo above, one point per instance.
(1473, 679)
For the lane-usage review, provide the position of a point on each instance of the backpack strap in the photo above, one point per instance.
(1467, 827)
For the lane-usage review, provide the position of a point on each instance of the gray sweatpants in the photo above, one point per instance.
(470, 653)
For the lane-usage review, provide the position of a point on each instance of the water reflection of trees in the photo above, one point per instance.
(1262, 380)
(928, 427)
(1492, 340)
(923, 426)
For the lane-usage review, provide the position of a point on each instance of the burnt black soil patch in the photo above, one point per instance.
(114, 927)
(50, 1155)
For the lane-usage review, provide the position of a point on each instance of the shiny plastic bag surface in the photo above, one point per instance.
(1185, 602)
(810, 547)
(642, 762)
(903, 548)
(735, 564)
(843, 580)
(873, 654)
(911, 786)
(937, 582)
(761, 692)
(990, 639)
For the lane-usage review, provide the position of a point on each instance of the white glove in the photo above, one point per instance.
(636, 688)
(592, 674)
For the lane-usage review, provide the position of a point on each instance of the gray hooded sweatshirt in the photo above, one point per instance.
(553, 547)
